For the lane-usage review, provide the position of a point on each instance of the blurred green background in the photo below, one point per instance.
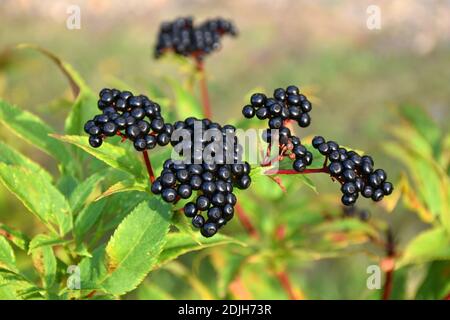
(356, 76)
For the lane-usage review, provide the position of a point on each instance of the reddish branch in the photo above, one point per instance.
(390, 255)
(204, 89)
(148, 164)
(283, 278)
(246, 222)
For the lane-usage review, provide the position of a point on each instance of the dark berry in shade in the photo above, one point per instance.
(95, 141)
(335, 168)
(214, 213)
(169, 195)
(209, 229)
(184, 191)
(202, 203)
(387, 188)
(244, 182)
(190, 210)
(377, 195)
(157, 186)
(248, 111)
(299, 165)
(140, 144)
(317, 141)
(198, 221)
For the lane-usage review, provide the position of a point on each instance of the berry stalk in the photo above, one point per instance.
(246, 222)
(204, 89)
(148, 165)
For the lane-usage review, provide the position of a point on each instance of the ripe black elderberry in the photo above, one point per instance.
(183, 38)
(286, 105)
(134, 117)
(212, 175)
(355, 173)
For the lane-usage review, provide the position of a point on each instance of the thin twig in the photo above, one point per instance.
(246, 222)
(390, 253)
(148, 164)
(204, 89)
(285, 282)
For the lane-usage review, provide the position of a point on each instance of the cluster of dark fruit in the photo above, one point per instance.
(182, 37)
(133, 117)
(355, 173)
(285, 106)
(212, 178)
(353, 211)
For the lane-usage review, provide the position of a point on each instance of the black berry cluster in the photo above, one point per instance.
(182, 37)
(287, 105)
(210, 174)
(355, 173)
(133, 117)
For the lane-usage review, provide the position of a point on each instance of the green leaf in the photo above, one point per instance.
(87, 218)
(80, 195)
(346, 225)
(44, 261)
(43, 240)
(92, 270)
(16, 287)
(33, 130)
(83, 109)
(180, 243)
(422, 122)
(150, 291)
(430, 245)
(113, 156)
(7, 257)
(186, 103)
(75, 80)
(38, 195)
(16, 237)
(12, 157)
(123, 186)
(135, 246)
(436, 284)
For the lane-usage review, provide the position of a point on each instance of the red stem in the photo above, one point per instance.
(388, 284)
(246, 222)
(148, 164)
(283, 278)
(204, 89)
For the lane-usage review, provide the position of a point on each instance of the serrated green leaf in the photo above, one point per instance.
(10, 156)
(14, 286)
(44, 261)
(83, 190)
(42, 240)
(113, 156)
(7, 257)
(123, 186)
(93, 270)
(430, 245)
(38, 195)
(135, 246)
(33, 130)
(180, 243)
(16, 237)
